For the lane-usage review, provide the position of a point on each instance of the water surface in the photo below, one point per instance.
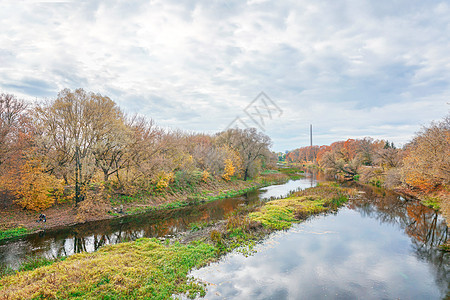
(378, 247)
(92, 235)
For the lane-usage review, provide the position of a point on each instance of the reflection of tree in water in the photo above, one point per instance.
(92, 236)
(424, 225)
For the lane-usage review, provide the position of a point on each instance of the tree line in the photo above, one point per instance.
(423, 164)
(66, 147)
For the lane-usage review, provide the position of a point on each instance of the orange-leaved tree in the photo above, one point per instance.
(427, 162)
(229, 169)
(33, 188)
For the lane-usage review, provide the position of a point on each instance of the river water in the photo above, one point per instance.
(379, 246)
(90, 236)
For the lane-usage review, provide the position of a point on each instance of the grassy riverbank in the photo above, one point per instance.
(148, 268)
(13, 232)
(280, 214)
(16, 222)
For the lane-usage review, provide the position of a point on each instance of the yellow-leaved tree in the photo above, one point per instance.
(229, 169)
(33, 188)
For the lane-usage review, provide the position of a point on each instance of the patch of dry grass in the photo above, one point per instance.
(141, 269)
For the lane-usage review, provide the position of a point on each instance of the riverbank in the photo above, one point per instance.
(15, 222)
(438, 200)
(152, 268)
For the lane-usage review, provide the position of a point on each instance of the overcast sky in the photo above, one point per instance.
(351, 68)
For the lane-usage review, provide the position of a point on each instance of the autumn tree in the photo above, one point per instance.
(333, 162)
(72, 129)
(16, 139)
(112, 148)
(229, 169)
(146, 154)
(33, 188)
(253, 147)
(12, 114)
(388, 158)
(427, 161)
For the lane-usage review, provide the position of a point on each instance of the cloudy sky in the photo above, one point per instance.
(351, 68)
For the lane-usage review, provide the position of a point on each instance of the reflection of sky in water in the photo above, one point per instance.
(283, 189)
(343, 256)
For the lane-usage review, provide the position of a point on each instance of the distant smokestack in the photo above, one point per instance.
(310, 134)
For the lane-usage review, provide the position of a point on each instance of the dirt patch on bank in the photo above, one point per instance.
(65, 214)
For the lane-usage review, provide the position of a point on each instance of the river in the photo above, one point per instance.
(379, 246)
(90, 236)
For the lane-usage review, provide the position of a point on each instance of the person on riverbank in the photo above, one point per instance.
(42, 218)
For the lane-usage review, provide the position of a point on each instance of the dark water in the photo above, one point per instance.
(378, 247)
(90, 236)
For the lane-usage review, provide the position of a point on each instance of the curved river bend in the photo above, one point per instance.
(379, 246)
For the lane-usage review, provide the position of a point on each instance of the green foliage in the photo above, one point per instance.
(196, 226)
(274, 216)
(122, 199)
(445, 247)
(239, 235)
(13, 232)
(432, 202)
(37, 262)
(186, 179)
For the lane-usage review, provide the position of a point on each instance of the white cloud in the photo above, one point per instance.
(350, 68)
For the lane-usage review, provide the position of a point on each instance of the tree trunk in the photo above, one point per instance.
(105, 175)
(78, 196)
(246, 174)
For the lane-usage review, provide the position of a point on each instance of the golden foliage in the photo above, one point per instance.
(205, 176)
(34, 189)
(163, 180)
(229, 169)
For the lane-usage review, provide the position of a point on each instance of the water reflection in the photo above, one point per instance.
(423, 224)
(381, 246)
(91, 236)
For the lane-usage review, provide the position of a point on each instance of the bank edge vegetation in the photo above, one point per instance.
(421, 167)
(80, 147)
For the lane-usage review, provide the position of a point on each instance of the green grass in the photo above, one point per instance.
(13, 232)
(282, 213)
(265, 172)
(29, 264)
(196, 226)
(34, 263)
(274, 216)
(142, 269)
(432, 202)
(445, 247)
